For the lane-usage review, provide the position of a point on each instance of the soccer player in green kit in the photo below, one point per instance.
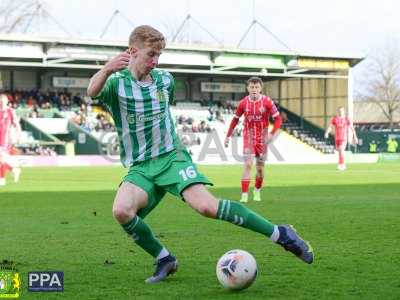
(138, 97)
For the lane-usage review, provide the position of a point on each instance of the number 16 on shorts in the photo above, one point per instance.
(188, 173)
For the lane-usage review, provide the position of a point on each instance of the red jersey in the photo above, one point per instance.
(341, 125)
(7, 118)
(256, 121)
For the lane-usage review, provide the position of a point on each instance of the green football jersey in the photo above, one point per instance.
(141, 114)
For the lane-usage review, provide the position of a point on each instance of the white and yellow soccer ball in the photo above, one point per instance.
(236, 270)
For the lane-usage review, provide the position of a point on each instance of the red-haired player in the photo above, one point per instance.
(257, 109)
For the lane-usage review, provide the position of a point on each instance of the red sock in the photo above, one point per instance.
(4, 169)
(341, 159)
(259, 182)
(245, 185)
(7, 168)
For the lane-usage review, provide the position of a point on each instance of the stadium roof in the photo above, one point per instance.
(28, 51)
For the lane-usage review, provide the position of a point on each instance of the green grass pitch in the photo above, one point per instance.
(60, 219)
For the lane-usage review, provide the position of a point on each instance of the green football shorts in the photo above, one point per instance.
(171, 172)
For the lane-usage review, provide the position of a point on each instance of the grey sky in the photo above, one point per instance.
(322, 27)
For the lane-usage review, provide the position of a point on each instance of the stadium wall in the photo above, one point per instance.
(315, 100)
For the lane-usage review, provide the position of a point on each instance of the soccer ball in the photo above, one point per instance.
(236, 269)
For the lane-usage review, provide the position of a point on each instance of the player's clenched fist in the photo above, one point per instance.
(226, 142)
(118, 62)
(115, 64)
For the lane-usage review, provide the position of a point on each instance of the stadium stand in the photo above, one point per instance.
(53, 112)
(306, 132)
(308, 137)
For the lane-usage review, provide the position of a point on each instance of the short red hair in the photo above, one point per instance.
(146, 35)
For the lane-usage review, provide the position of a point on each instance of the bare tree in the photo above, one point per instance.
(383, 81)
(17, 14)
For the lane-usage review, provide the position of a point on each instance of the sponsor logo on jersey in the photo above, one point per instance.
(133, 118)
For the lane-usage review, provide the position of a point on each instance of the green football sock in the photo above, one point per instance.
(240, 215)
(143, 236)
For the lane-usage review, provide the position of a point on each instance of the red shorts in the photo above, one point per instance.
(255, 141)
(257, 148)
(340, 144)
(5, 149)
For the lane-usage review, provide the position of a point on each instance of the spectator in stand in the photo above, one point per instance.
(31, 102)
(91, 118)
(45, 151)
(202, 126)
(38, 150)
(77, 100)
(211, 111)
(44, 99)
(195, 127)
(101, 123)
(34, 113)
(65, 103)
(219, 116)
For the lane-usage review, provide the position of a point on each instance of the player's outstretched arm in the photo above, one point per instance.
(328, 131)
(277, 123)
(232, 126)
(355, 138)
(98, 80)
(234, 122)
(275, 129)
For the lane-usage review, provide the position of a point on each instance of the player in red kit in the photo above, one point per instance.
(342, 124)
(7, 119)
(257, 109)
